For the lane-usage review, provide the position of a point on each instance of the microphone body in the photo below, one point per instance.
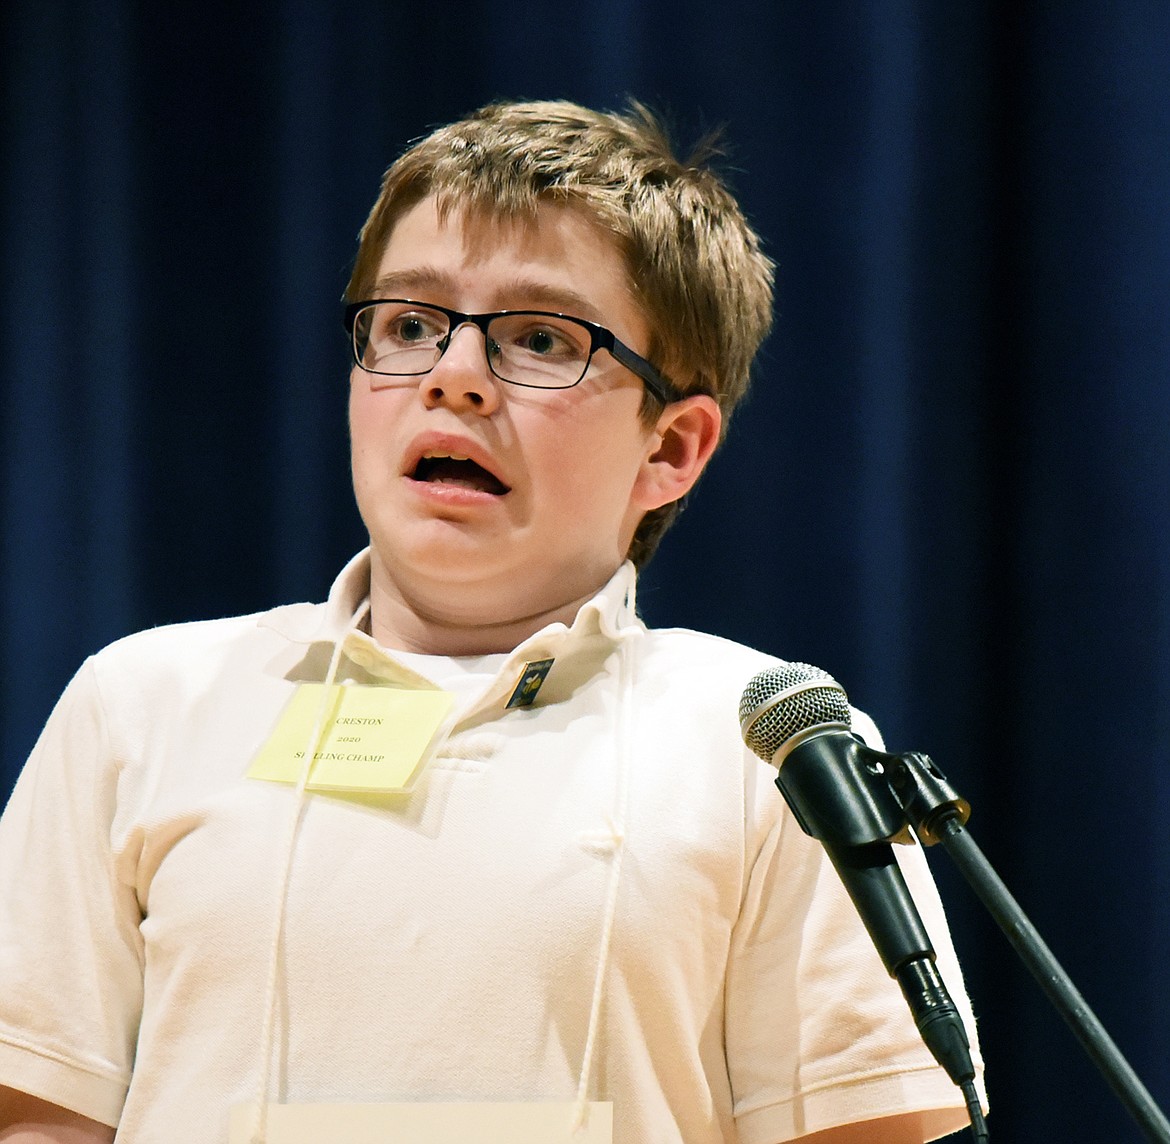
(797, 718)
(827, 780)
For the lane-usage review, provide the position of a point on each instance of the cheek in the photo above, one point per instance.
(590, 471)
(371, 412)
(371, 445)
(359, 432)
(358, 395)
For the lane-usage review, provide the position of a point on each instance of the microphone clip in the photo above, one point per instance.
(840, 790)
(927, 798)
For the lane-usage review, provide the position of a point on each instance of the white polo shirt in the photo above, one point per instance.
(441, 945)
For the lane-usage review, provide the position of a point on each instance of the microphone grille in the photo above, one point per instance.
(783, 701)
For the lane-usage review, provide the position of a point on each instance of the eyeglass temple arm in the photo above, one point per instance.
(651, 378)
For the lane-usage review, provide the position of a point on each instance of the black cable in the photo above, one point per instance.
(975, 1111)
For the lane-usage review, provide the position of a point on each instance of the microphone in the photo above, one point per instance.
(797, 717)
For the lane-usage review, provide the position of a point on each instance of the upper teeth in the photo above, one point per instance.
(429, 456)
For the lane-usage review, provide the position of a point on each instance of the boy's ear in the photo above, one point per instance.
(686, 435)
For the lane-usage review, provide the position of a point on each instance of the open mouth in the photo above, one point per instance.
(460, 471)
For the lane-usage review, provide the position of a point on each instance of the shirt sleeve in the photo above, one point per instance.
(818, 1034)
(70, 946)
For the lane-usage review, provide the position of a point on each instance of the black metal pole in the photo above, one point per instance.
(975, 867)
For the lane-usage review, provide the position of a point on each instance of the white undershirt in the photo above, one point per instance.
(465, 676)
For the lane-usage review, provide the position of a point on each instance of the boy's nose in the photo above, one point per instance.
(461, 378)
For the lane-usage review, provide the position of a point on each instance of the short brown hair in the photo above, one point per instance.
(693, 262)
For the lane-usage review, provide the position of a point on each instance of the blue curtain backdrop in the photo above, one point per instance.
(951, 487)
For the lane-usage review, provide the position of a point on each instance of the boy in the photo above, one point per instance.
(590, 901)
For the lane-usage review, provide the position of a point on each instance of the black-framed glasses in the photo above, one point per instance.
(534, 348)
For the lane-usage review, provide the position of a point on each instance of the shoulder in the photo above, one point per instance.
(712, 668)
(704, 653)
(196, 634)
(170, 655)
(695, 681)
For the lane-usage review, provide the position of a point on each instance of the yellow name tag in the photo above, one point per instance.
(373, 738)
(455, 1123)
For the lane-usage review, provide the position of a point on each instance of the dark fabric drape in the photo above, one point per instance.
(951, 487)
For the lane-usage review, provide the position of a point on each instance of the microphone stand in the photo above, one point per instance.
(938, 814)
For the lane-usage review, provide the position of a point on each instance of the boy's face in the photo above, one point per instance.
(562, 478)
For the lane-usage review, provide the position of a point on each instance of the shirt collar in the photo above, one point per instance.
(577, 649)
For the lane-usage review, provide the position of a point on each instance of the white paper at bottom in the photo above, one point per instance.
(454, 1123)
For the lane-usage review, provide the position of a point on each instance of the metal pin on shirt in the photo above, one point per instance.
(529, 684)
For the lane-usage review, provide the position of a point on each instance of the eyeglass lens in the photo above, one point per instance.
(525, 348)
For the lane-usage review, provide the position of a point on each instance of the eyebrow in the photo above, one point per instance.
(531, 292)
(422, 278)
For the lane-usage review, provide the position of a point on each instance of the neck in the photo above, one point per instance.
(467, 626)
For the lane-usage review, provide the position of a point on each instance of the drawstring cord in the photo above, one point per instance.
(617, 833)
(259, 1132)
(617, 827)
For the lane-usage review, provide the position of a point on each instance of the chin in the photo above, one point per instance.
(454, 558)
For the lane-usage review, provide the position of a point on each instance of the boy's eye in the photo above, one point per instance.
(414, 327)
(544, 338)
(540, 342)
